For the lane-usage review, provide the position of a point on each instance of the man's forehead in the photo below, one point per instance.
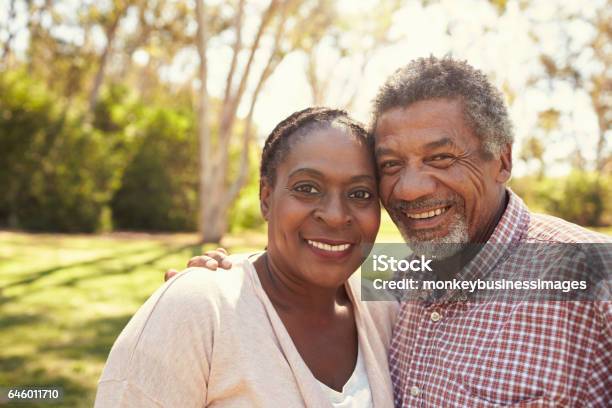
(422, 113)
(434, 123)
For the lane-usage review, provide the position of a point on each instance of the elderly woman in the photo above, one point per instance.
(283, 328)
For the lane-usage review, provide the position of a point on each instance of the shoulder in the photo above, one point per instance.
(200, 285)
(195, 299)
(186, 313)
(546, 228)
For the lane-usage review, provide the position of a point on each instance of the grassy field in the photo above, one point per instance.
(65, 298)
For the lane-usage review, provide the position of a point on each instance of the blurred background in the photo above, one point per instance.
(106, 107)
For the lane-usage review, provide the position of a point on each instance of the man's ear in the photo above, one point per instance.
(265, 191)
(505, 164)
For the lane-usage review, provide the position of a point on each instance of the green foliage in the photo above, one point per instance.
(134, 168)
(159, 187)
(581, 197)
(245, 213)
(56, 174)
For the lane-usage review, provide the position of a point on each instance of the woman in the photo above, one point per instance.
(282, 328)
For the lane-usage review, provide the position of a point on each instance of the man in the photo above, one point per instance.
(443, 143)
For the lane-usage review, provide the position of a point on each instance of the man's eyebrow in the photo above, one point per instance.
(444, 142)
(381, 151)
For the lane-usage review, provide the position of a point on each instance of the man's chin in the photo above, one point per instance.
(434, 249)
(438, 244)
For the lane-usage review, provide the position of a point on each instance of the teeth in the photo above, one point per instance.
(427, 214)
(327, 247)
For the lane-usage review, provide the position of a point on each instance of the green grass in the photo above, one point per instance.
(65, 298)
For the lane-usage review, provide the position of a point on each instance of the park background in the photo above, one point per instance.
(104, 118)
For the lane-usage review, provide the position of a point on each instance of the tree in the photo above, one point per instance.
(596, 82)
(353, 39)
(280, 20)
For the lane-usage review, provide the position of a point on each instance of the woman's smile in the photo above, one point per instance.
(330, 249)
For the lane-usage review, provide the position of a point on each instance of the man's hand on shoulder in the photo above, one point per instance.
(212, 260)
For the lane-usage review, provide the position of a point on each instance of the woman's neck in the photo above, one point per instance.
(289, 293)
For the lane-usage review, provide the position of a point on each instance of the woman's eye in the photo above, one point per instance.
(361, 195)
(306, 189)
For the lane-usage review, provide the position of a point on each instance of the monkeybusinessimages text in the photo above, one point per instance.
(385, 263)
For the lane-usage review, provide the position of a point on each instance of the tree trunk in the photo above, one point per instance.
(110, 37)
(210, 227)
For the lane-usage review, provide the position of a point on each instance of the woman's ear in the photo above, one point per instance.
(265, 191)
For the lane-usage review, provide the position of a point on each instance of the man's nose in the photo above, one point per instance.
(412, 185)
(334, 211)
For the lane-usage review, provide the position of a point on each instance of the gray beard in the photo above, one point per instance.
(442, 247)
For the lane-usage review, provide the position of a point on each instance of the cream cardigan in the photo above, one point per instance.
(214, 339)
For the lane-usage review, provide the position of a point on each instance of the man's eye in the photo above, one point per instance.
(306, 189)
(361, 195)
(441, 160)
(389, 164)
(440, 157)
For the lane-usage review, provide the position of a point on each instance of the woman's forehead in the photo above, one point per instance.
(329, 151)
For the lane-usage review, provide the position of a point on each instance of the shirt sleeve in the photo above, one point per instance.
(599, 384)
(162, 357)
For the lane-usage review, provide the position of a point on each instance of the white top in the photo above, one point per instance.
(356, 392)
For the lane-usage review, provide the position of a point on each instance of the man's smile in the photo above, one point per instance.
(426, 214)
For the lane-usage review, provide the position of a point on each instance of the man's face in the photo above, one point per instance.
(437, 183)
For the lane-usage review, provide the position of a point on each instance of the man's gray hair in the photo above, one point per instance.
(429, 78)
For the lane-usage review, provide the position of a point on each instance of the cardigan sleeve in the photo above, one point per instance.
(162, 357)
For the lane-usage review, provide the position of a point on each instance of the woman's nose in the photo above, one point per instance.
(334, 211)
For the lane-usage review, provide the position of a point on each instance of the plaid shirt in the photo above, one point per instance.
(449, 353)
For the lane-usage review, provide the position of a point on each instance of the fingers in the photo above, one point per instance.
(203, 261)
(169, 274)
(211, 260)
(224, 262)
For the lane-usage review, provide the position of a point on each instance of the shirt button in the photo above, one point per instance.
(414, 391)
(435, 316)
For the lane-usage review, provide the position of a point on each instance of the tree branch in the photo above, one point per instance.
(273, 61)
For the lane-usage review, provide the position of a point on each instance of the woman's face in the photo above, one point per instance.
(323, 207)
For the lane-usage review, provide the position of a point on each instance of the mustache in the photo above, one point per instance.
(424, 203)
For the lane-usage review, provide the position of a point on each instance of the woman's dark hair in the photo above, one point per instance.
(296, 125)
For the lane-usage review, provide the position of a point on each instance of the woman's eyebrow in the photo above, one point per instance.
(306, 170)
(317, 173)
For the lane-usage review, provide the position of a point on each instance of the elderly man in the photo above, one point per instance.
(443, 143)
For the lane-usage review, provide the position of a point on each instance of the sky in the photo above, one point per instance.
(507, 54)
